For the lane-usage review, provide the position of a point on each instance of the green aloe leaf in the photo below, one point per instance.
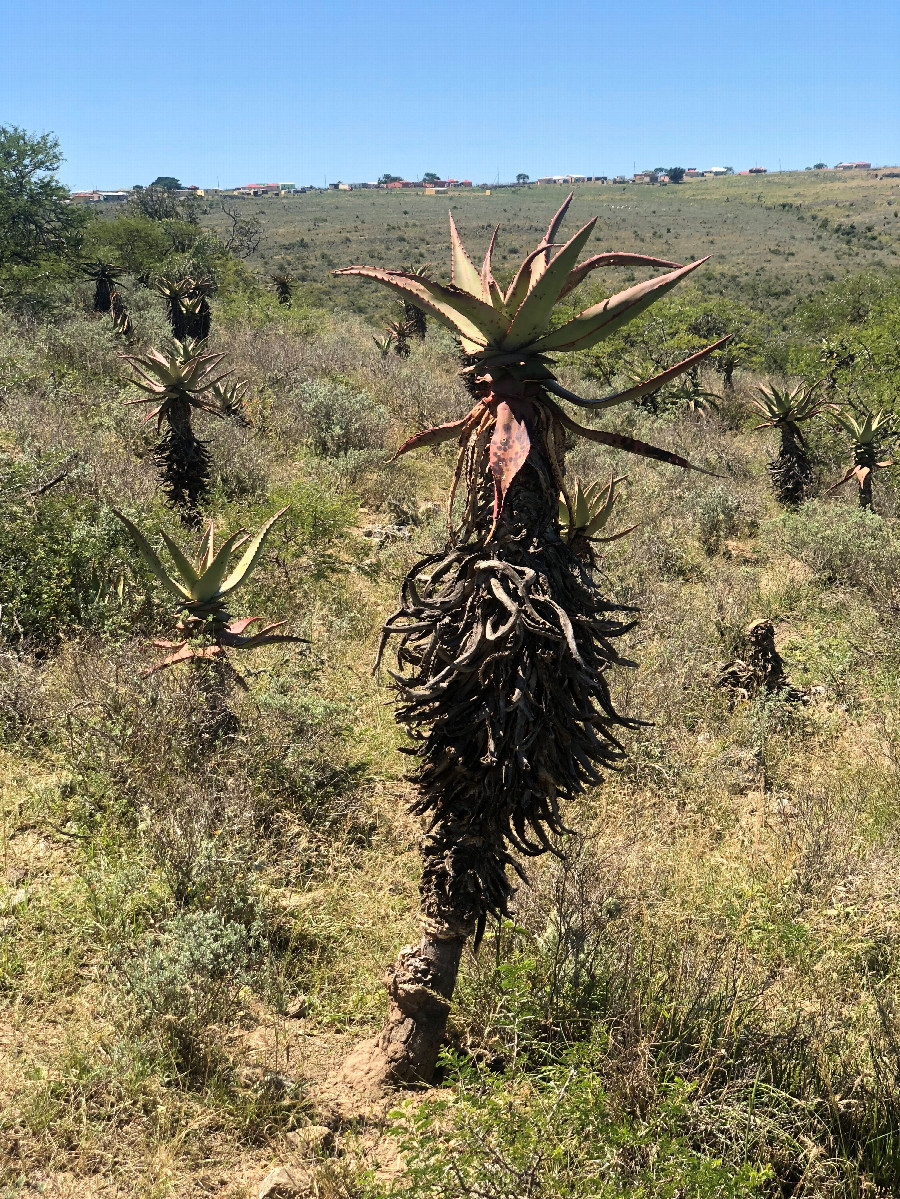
(147, 552)
(531, 319)
(185, 567)
(250, 556)
(458, 310)
(607, 317)
(540, 260)
(209, 583)
(463, 271)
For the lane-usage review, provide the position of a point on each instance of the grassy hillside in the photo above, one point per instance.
(699, 999)
(771, 238)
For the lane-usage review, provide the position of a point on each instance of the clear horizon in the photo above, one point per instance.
(217, 94)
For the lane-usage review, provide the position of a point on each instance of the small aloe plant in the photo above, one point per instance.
(176, 384)
(867, 432)
(591, 509)
(784, 409)
(201, 587)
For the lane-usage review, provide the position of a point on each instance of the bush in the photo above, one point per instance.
(340, 419)
(187, 985)
(555, 1133)
(64, 560)
(841, 543)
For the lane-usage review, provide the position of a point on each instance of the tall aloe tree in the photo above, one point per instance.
(105, 275)
(785, 409)
(868, 433)
(177, 385)
(188, 304)
(503, 638)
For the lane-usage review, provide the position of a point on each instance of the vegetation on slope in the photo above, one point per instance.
(701, 999)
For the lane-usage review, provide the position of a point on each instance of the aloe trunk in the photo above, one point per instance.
(504, 641)
(183, 463)
(790, 471)
(416, 321)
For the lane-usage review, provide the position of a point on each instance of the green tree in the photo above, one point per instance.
(36, 221)
(676, 174)
(522, 177)
(430, 177)
(390, 179)
(167, 182)
(819, 166)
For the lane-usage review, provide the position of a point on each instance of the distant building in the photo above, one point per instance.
(693, 173)
(853, 166)
(99, 197)
(401, 183)
(646, 177)
(758, 171)
(716, 171)
(264, 189)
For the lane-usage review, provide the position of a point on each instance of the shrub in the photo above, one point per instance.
(555, 1133)
(63, 560)
(187, 985)
(841, 543)
(339, 419)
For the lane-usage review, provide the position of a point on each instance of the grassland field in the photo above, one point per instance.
(700, 1000)
(770, 238)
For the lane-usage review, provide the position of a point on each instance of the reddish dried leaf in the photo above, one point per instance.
(431, 436)
(510, 447)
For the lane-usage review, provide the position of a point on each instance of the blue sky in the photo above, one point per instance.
(227, 92)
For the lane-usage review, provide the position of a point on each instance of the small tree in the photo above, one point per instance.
(676, 174)
(36, 221)
(390, 179)
(167, 182)
(522, 177)
(819, 166)
(430, 177)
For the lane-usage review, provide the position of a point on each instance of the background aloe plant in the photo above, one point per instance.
(177, 384)
(784, 409)
(503, 638)
(868, 433)
(105, 275)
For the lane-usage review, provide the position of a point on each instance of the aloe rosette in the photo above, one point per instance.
(200, 588)
(509, 337)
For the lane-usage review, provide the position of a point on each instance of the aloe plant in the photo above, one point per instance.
(121, 320)
(785, 408)
(188, 305)
(503, 638)
(868, 433)
(284, 287)
(105, 276)
(176, 385)
(201, 587)
(591, 510)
